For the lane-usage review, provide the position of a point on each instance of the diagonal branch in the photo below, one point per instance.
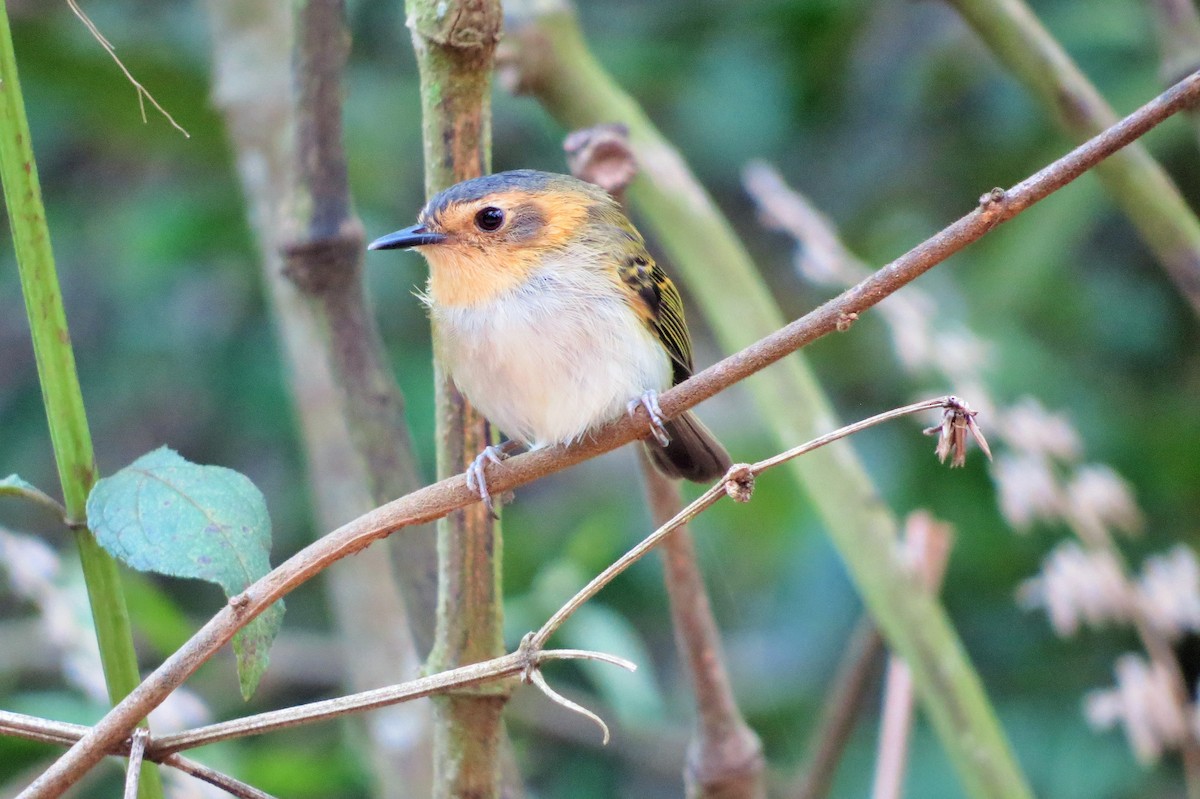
(61, 733)
(1137, 183)
(447, 495)
(724, 758)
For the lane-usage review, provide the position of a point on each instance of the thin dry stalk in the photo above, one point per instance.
(855, 674)
(927, 544)
(133, 771)
(725, 758)
(443, 497)
(142, 93)
(60, 733)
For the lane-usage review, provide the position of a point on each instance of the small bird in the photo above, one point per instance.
(551, 317)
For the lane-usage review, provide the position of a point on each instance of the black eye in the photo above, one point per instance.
(489, 219)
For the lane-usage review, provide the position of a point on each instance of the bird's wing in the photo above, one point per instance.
(657, 301)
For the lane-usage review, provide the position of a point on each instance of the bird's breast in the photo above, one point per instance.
(552, 359)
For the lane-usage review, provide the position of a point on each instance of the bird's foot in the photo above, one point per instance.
(477, 481)
(649, 401)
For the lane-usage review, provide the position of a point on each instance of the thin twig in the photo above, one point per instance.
(738, 482)
(142, 94)
(213, 777)
(508, 665)
(61, 733)
(137, 751)
(855, 673)
(443, 497)
(927, 546)
(725, 757)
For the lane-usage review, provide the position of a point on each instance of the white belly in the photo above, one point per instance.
(545, 364)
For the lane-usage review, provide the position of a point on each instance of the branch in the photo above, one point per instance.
(348, 409)
(739, 484)
(32, 728)
(725, 758)
(455, 43)
(513, 664)
(927, 546)
(846, 700)
(437, 500)
(1177, 24)
(70, 436)
(1134, 180)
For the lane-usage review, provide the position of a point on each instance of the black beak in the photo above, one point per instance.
(415, 236)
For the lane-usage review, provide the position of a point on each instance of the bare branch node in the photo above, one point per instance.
(328, 262)
(845, 319)
(602, 155)
(992, 204)
(739, 482)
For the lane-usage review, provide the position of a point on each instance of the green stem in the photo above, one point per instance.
(1134, 180)
(455, 44)
(553, 62)
(61, 394)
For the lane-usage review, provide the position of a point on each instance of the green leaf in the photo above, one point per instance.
(14, 486)
(166, 515)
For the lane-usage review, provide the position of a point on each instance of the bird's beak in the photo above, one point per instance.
(415, 236)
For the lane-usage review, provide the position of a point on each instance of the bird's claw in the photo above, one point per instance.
(658, 428)
(477, 481)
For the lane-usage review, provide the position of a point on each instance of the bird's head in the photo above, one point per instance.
(488, 235)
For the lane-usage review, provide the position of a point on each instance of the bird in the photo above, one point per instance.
(552, 319)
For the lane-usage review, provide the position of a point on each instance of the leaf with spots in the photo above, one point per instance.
(166, 515)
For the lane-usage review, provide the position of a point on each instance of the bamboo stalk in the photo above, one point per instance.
(61, 393)
(1134, 180)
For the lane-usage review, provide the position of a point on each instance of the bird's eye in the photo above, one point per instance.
(489, 219)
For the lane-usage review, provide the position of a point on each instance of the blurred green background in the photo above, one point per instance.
(892, 117)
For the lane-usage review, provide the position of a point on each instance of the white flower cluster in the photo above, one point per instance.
(1143, 702)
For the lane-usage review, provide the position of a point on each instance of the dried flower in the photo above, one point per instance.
(1099, 499)
(1078, 587)
(957, 420)
(1169, 592)
(1145, 703)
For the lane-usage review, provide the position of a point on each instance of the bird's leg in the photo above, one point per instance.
(649, 401)
(476, 481)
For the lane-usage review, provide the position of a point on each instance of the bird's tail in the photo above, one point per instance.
(693, 453)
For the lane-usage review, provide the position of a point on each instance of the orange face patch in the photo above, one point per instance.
(474, 265)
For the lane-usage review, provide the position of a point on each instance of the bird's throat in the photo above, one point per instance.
(466, 277)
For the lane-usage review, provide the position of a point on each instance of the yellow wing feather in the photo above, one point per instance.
(657, 301)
